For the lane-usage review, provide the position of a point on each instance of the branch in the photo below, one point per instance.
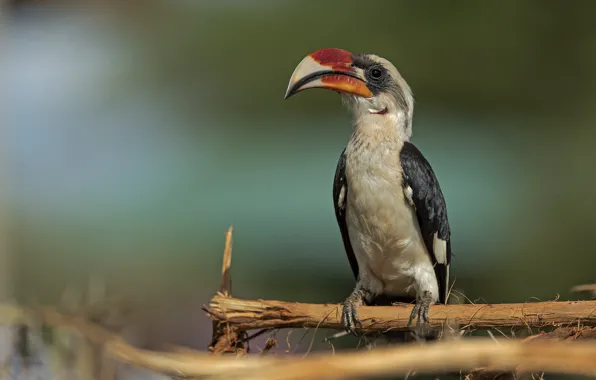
(247, 314)
(440, 357)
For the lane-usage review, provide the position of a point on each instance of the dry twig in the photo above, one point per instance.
(226, 279)
(586, 288)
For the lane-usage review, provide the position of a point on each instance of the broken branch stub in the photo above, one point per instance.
(226, 279)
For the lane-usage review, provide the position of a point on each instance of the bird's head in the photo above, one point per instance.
(370, 85)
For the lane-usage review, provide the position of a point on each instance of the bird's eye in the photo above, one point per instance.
(376, 73)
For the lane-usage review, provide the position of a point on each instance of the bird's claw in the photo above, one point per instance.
(421, 308)
(349, 318)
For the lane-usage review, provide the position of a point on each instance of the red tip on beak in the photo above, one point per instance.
(335, 59)
(329, 68)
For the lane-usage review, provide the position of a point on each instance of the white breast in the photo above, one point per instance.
(382, 224)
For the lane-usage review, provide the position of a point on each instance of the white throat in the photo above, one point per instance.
(379, 116)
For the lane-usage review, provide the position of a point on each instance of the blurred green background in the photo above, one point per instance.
(137, 131)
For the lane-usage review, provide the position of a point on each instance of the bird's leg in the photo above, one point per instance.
(423, 302)
(349, 315)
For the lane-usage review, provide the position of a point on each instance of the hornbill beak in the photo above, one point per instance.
(330, 68)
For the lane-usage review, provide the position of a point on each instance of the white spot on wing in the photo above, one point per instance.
(341, 197)
(440, 249)
(447, 289)
(409, 193)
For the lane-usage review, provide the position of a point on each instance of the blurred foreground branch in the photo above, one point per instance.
(114, 349)
(563, 334)
(440, 357)
(533, 355)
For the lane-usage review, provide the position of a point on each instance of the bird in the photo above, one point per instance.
(388, 203)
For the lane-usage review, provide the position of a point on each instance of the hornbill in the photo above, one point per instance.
(388, 202)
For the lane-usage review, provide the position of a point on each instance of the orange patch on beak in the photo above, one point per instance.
(345, 83)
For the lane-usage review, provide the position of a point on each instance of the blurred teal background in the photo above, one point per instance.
(135, 132)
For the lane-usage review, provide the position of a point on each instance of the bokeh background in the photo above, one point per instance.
(135, 132)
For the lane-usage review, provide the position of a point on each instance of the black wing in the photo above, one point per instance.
(340, 196)
(431, 211)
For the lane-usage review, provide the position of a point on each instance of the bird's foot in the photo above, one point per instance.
(423, 302)
(349, 314)
(349, 317)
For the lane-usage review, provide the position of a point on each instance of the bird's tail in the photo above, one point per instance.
(400, 337)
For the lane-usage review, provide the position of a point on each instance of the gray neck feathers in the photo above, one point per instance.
(405, 102)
